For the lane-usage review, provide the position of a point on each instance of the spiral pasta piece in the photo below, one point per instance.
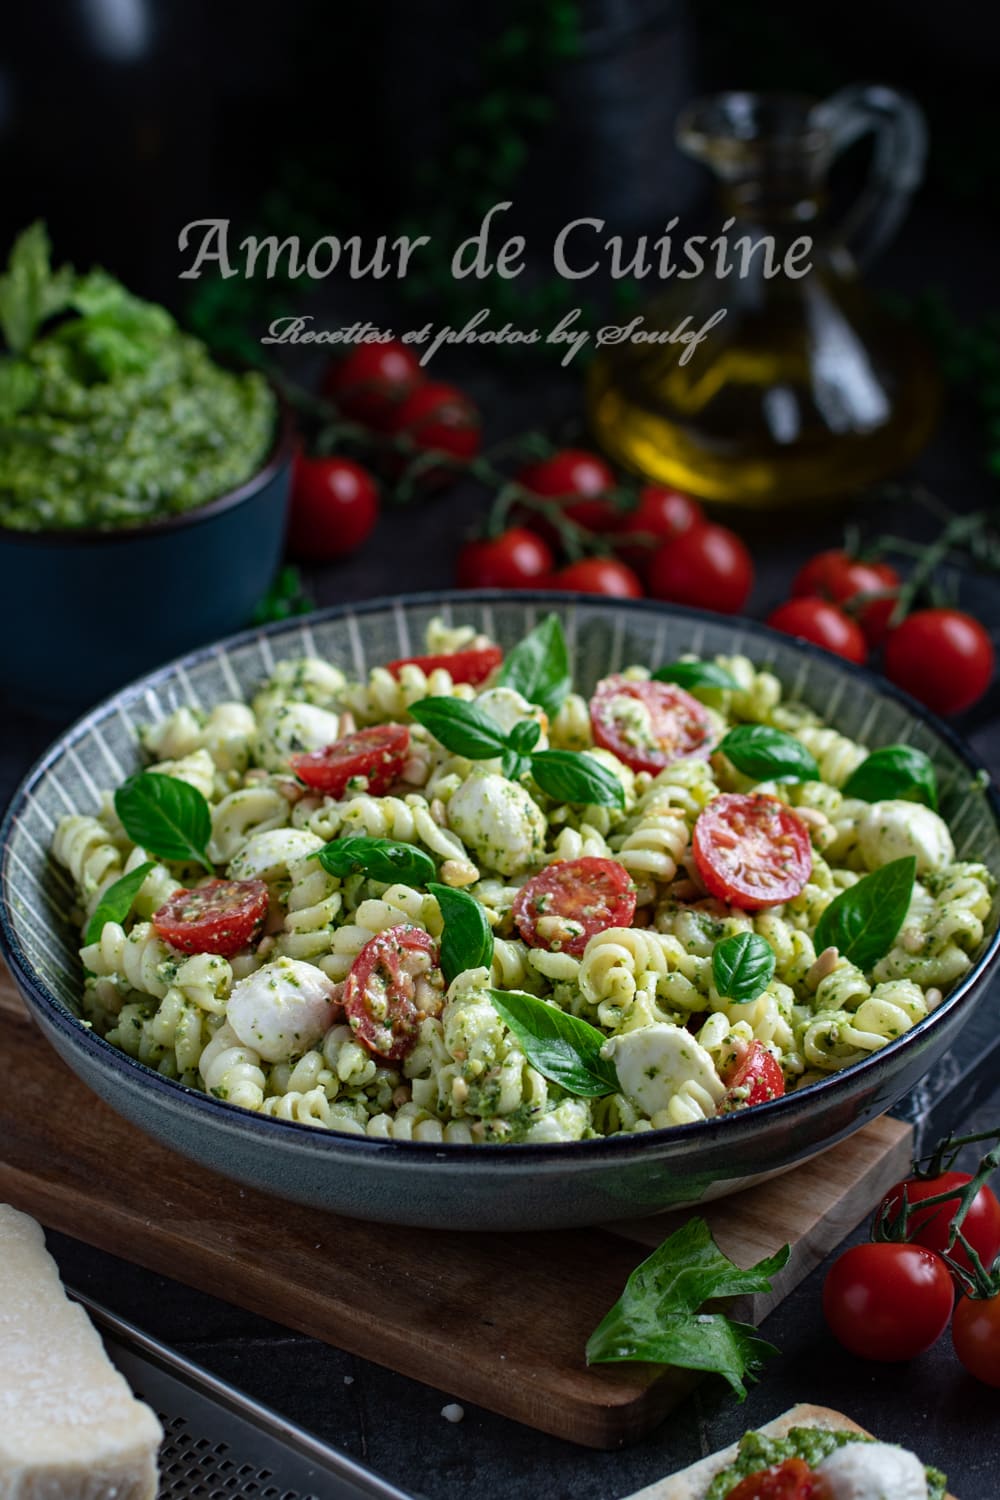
(94, 861)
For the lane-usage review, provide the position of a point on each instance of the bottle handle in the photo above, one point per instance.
(897, 167)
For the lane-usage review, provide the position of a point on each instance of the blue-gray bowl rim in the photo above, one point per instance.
(739, 1124)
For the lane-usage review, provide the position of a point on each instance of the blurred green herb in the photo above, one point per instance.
(286, 597)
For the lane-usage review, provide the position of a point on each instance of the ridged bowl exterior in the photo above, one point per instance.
(470, 1187)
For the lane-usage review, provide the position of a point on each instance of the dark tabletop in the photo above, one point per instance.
(394, 1424)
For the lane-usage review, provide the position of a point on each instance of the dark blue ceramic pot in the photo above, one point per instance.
(82, 612)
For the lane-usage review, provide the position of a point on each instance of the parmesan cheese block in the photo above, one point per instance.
(70, 1428)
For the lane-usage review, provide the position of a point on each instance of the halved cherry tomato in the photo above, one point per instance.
(393, 983)
(598, 575)
(930, 1227)
(472, 666)
(755, 1078)
(648, 724)
(888, 1301)
(439, 418)
(378, 753)
(372, 381)
(515, 559)
(943, 657)
(707, 566)
(837, 576)
(221, 916)
(562, 908)
(660, 514)
(578, 480)
(822, 623)
(975, 1332)
(751, 851)
(334, 505)
(792, 1479)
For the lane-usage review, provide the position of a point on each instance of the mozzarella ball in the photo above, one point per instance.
(291, 728)
(267, 856)
(655, 1062)
(873, 1471)
(282, 1009)
(893, 830)
(499, 821)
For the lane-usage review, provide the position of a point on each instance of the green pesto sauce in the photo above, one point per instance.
(110, 415)
(813, 1444)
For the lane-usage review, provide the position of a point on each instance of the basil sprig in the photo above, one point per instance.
(116, 902)
(697, 674)
(767, 754)
(862, 922)
(386, 860)
(569, 775)
(467, 939)
(167, 816)
(657, 1319)
(538, 667)
(894, 771)
(742, 967)
(562, 1048)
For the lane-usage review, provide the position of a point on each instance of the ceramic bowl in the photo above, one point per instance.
(470, 1187)
(89, 609)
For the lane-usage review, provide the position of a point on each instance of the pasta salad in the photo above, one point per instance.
(460, 902)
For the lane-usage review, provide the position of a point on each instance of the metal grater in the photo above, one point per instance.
(218, 1443)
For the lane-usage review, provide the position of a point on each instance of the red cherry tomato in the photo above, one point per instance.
(751, 851)
(371, 381)
(792, 1479)
(660, 514)
(708, 567)
(943, 657)
(837, 576)
(439, 418)
(930, 1227)
(334, 505)
(221, 916)
(570, 474)
(598, 575)
(888, 1302)
(378, 753)
(515, 559)
(648, 724)
(755, 1078)
(823, 624)
(975, 1332)
(393, 983)
(473, 666)
(562, 908)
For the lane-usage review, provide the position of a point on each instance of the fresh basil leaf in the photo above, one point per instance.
(894, 771)
(742, 967)
(167, 816)
(538, 667)
(525, 736)
(116, 902)
(460, 727)
(467, 939)
(697, 674)
(514, 765)
(573, 776)
(386, 860)
(564, 1049)
(30, 291)
(862, 922)
(656, 1319)
(767, 754)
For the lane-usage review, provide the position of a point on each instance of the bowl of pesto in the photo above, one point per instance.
(143, 486)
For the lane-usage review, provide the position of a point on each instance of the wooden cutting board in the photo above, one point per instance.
(500, 1320)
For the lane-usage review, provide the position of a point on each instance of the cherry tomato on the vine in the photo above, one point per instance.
(975, 1333)
(755, 1078)
(822, 623)
(707, 566)
(221, 916)
(660, 514)
(333, 507)
(931, 1226)
(943, 657)
(578, 479)
(888, 1301)
(439, 418)
(838, 577)
(598, 575)
(371, 381)
(515, 559)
